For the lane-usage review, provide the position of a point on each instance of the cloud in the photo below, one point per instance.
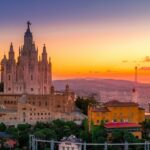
(146, 59)
(144, 68)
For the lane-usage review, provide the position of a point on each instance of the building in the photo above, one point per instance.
(70, 143)
(28, 94)
(133, 128)
(116, 112)
(29, 74)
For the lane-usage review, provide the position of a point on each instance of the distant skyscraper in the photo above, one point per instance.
(28, 74)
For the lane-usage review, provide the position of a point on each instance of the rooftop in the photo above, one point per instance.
(121, 125)
(71, 138)
(116, 103)
(100, 109)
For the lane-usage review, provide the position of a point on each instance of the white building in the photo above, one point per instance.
(70, 143)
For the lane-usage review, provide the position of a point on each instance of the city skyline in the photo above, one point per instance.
(84, 39)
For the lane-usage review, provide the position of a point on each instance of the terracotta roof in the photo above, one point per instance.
(116, 125)
(141, 108)
(11, 143)
(116, 103)
(100, 109)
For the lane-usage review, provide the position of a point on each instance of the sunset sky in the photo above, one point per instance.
(84, 38)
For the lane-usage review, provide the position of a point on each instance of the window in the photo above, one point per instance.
(39, 103)
(45, 103)
(31, 89)
(63, 148)
(9, 89)
(9, 77)
(31, 77)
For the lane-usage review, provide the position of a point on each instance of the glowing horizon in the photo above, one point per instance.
(88, 44)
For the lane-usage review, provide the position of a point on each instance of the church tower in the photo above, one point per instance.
(27, 74)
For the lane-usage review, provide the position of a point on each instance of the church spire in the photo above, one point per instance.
(28, 39)
(28, 25)
(11, 47)
(11, 52)
(44, 54)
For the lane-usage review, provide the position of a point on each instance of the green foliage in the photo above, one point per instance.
(146, 129)
(2, 127)
(83, 103)
(13, 131)
(99, 134)
(84, 133)
(57, 129)
(119, 136)
(60, 129)
(23, 127)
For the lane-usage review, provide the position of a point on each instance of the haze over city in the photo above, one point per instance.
(85, 39)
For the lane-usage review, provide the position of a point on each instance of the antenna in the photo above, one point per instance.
(134, 90)
(136, 76)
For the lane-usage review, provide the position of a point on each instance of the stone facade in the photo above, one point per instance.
(23, 108)
(28, 94)
(28, 74)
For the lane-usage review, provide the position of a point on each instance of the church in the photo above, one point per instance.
(28, 95)
(29, 74)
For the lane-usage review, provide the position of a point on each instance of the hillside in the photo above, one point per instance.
(106, 89)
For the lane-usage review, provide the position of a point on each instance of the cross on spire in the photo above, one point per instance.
(28, 24)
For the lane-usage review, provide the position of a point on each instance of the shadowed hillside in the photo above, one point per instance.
(106, 89)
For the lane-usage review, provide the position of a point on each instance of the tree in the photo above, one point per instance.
(84, 103)
(99, 134)
(39, 134)
(23, 131)
(146, 129)
(2, 127)
(117, 136)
